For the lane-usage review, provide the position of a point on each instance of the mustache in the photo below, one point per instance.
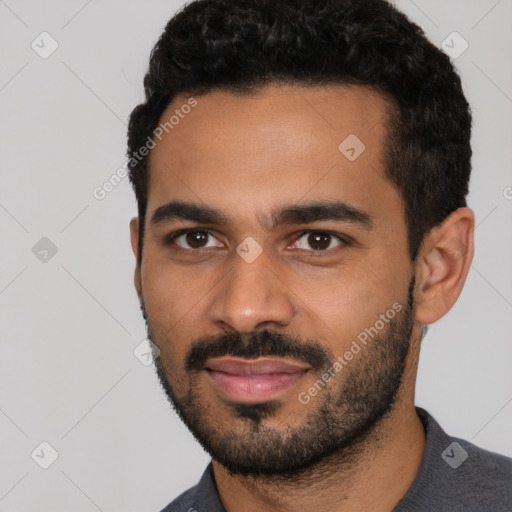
(254, 345)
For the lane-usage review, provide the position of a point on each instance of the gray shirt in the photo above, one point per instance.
(454, 476)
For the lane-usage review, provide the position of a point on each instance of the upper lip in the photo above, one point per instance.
(260, 366)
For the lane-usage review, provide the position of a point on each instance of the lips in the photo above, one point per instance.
(261, 366)
(253, 381)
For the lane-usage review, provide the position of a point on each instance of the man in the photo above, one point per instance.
(301, 169)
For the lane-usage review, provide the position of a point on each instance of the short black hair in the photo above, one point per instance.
(242, 45)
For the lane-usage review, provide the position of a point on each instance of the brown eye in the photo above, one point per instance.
(318, 241)
(195, 239)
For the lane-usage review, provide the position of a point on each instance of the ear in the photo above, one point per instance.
(134, 238)
(443, 265)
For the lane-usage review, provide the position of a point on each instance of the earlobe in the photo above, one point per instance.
(443, 265)
(134, 239)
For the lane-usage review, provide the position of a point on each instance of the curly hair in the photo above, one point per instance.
(242, 45)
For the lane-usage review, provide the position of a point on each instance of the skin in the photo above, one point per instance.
(247, 155)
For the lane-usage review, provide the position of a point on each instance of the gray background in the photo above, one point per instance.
(70, 324)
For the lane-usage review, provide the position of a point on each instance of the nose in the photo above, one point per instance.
(251, 297)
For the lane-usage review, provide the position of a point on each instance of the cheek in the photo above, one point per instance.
(352, 302)
(171, 292)
(177, 300)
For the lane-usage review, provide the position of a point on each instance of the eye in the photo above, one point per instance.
(194, 239)
(318, 241)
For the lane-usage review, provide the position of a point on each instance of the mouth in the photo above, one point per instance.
(253, 381)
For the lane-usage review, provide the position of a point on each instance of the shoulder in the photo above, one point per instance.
(483, 470)
(183, 503)
(473, 479)
(201, 497)
(456, 475)
(459, 460)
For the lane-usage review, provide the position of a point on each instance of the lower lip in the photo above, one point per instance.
(252, 389)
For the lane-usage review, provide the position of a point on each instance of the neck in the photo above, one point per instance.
(372, 474)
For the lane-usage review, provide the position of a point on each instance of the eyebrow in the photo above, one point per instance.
(287, 215)
(179, 210)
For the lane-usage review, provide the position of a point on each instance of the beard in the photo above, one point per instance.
(340, 420)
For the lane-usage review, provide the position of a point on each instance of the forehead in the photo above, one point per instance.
(280, 144)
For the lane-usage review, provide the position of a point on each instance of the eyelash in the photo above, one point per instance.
(344, 240)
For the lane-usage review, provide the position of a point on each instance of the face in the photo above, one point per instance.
(275, 275)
